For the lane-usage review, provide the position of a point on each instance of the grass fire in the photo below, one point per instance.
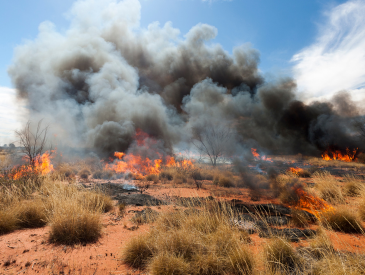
(144, 150)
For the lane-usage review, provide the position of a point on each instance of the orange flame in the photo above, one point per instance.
(258, 157)
(311, 204)
(337, 155)
(296, 170)
(42, 165)
(142, 166)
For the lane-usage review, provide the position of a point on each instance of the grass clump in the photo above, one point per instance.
(8, 221)
(84, 173)
(341, 219)
(191, 242)
(223, 181)
(68, 227)
(328, 187)
(152, 177)
(31, 214)
(167, 264)
(281, 256)
(353, 186)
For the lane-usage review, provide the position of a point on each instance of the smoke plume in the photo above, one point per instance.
(106, 77)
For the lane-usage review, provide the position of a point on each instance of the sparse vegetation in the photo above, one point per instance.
(328, 187)
(281, 256)
(191, 242)
(342, 219)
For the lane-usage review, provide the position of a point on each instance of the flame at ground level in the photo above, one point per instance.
(258, 157)
(338, 155)
(42, 165)
(144, 166)
(310, 203)
(295, 170)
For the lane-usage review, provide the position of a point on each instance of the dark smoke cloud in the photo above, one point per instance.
(105, 77)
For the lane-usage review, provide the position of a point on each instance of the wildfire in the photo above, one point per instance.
(42, 165)
(142, 166)
(295, 170)
(311, 204)
(258, 157)
(337, 155)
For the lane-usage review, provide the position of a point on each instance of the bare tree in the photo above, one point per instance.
(213, 140)
(33, 143)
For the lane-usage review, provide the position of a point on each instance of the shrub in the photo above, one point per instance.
(84, 173)
(138, 251)
(328, 187)
(122, 208)
(72, 224)
(8, 221)
(167, 264)
(225, 182)
(321, 246)
(96, 201)
(353, 186)
(280, 256)
(98, 174)
(342, 220)
(300, 218)
(31, 214)
(153, 178)
(164, 175)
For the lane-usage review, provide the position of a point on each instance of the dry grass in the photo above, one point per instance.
(31, 214)
(191, 242)
(84, 173)
(299, 218)
(343, 220)
(354, 186)
(8, 221)
(328, 187)
(73, 212)
(321, 246)
(281, 256)
(152, 177)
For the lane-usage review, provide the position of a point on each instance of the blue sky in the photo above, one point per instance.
(278, 29)
(320, 43)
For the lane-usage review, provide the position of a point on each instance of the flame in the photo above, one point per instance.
(42, 165)
(310, 203)
(337, 155)
(258, 157)
(143, 166)
(295, 170)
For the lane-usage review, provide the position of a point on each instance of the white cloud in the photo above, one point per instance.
(336, 60)
(11, 113)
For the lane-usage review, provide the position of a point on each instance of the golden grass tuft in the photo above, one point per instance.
(72, 223)
(281, 256)
(31, 214)
(328, 187)
(8, 221)
(343, 220)
(167, 264)
(353, 186)
(138, 251)
(84, 173)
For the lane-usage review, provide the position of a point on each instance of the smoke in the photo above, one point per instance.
(106, 77)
